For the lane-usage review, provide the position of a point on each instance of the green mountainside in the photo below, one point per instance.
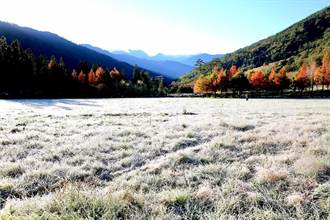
(291, 47)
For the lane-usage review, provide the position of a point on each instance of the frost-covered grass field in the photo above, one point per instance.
(165, 159)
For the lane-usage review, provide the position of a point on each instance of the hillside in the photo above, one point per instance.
(169, 68)
(51, 44)
(291, 47)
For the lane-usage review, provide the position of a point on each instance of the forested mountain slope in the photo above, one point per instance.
(49, 44)
(290, 47)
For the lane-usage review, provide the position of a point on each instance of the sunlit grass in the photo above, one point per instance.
(149, 159)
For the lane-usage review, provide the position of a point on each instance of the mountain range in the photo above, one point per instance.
(172, 66)
(49, 44)
(189, 60)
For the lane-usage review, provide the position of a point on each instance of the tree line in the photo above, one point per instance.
(267, 78)
(23, 74)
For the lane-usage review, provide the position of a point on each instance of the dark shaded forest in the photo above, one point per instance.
(24, 74)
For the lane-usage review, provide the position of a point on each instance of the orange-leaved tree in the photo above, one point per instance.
(319, 77)
(322, 73)
(302, 79)
(221, 79)
(99, 74)
(311, 72)
(326, 67)
(272, 77)
(326, 62)
(272, 74)
(91, 77)
(257, 79)
(115, 74)
(281, 80)
(82, 77)
(218, 74)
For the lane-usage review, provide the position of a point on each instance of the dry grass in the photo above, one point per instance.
(165, 159)
(271, 175)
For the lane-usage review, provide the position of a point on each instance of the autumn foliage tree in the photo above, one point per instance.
(100, 74)
(115, 74)
(257, 79)
(326, 63)
(82, 77)
(302, 79)
(92, 77)
(220, 79)
(272, 77)
(232, 71)
(218, 75)
(203, 85)
(281, 80)
(319, 77)
(223, 79)
(322, 73)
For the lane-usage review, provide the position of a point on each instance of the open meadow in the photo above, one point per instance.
(166, 158)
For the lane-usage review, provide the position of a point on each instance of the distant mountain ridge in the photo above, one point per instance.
(50, 44)
(173, 66)
(135, 53)
(188, 60)
(169, 68)
(203, 56)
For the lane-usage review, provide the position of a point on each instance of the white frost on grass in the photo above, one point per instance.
(187, 157)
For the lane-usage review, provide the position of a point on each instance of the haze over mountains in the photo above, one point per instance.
(189, 60)
(47, 43)
(173, 66)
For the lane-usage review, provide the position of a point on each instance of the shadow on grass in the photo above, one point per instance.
(57, 102)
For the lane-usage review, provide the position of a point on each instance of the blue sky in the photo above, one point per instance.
(166, 26)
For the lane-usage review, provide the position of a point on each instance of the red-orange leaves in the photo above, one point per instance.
(91, 77)
(257, 79)
(115, 74)
(99, 73)
(82, 77)
(302, 79)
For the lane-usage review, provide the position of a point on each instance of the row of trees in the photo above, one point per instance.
(140, 85)
(22, 74)
(265, 79)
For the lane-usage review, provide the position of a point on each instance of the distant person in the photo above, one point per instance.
(247, 97)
